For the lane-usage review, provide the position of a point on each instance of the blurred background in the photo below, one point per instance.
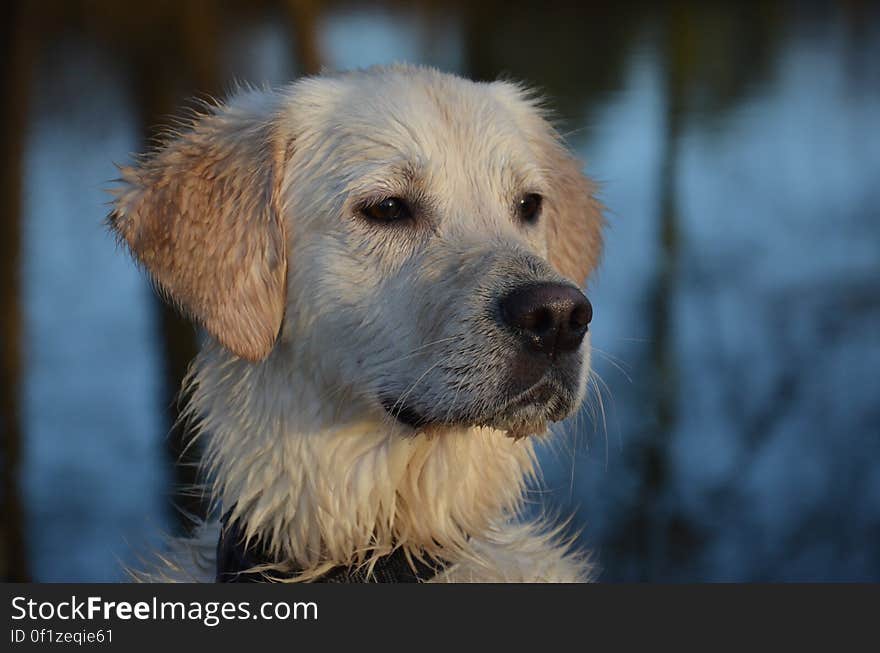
(737, 312)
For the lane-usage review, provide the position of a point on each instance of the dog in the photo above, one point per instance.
(388, 264)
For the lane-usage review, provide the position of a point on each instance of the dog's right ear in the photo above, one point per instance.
(203, 214)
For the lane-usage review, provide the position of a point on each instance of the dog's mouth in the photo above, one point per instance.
(530, 411)
(526, 413)
(404, 413)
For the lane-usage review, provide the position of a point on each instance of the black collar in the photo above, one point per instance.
(235, 562)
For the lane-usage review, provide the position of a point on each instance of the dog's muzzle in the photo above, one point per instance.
(541, 327)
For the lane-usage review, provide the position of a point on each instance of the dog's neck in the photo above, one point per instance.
(320, 481)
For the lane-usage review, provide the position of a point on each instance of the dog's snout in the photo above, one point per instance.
(551, 317)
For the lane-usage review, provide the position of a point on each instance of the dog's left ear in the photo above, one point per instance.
(574, 215)
(203, 214)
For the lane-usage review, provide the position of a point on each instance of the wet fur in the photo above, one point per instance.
(248, 221)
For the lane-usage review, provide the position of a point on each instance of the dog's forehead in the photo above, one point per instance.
(430, 121)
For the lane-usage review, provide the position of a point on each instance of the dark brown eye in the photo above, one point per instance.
(529, 208)
(391, 209)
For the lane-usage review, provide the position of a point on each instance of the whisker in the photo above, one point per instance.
(593, 379)
(458, 388)
(618, 363)
(341, 387)
(403, 397)
(418, 350)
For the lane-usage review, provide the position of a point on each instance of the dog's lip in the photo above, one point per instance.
(403, 413)
(540, 392)
(547, 394)
(543, 393)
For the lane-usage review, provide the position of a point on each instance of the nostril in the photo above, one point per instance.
(582, 315)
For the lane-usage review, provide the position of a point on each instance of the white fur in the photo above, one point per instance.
(296, 437)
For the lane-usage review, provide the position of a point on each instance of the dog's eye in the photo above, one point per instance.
(529, 207)
(391, 209)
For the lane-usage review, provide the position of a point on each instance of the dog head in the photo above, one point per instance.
(413, 238)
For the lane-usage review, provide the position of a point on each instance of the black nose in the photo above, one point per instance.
(551, 317)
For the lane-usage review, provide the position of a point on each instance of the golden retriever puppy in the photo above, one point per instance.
(388, 263)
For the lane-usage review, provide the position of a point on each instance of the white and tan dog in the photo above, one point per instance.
(388, 263)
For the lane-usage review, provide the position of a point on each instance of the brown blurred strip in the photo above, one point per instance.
(16, 36)
(303, 19)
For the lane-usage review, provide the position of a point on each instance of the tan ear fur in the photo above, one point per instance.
(574, 216)
(203, 214)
